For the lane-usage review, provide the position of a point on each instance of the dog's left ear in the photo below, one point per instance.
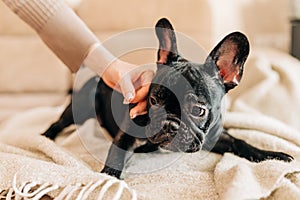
(167, 42)
(229, 56)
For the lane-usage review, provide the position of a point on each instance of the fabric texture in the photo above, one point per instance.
(261, 111)
(33, 166)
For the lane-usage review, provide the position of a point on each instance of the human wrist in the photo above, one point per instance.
(98, 59)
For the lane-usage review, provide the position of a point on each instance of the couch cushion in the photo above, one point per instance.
(27, 65)
(11, 104)
(192, 18)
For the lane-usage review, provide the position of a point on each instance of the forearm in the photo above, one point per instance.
(63, 32)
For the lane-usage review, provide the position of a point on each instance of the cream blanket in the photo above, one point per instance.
(263, 111)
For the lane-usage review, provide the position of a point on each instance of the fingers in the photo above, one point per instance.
(141, 94)
(133, 82)
(127, 89)
(135, 85)
(139, 109)
(143, 87)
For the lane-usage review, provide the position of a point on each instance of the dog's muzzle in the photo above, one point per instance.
(173, 134)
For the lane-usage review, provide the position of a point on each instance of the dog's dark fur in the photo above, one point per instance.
(184, 105)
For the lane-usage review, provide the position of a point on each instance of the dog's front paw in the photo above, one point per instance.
(52, 131)
(49, 135)
(279, 156)
(269, 155)
(111, 171)
(243, 149)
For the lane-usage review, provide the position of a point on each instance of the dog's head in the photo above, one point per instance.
(185, 98)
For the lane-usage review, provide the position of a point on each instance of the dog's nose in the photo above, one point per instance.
(170, 126)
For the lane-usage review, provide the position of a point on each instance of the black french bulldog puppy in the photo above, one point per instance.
(184, 105)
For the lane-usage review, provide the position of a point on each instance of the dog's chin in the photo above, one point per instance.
(186, 148)
(172, 143)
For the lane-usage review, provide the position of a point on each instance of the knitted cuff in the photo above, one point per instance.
(35, 13)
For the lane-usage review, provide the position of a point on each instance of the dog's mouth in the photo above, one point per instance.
(174, 135)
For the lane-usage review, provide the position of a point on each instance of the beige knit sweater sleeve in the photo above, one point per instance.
(63, 32)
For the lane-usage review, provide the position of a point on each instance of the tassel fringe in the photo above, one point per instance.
(36, 190)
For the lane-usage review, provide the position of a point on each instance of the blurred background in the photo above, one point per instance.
(30, 74)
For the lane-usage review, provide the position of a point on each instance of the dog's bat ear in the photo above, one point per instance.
(167, 42)
(229, 56)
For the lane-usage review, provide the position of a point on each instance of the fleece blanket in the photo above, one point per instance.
(263, 110)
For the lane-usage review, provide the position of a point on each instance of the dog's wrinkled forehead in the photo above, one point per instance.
(183, 77)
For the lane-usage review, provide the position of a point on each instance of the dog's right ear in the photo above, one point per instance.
(167, 42)
(229, 57)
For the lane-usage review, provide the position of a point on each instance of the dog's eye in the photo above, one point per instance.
(197, 111)
(153, 101)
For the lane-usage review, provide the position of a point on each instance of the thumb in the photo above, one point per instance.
(127, 88)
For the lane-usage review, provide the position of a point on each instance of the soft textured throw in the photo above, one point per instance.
(263, 111)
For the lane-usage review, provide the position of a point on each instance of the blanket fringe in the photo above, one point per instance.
(36, 190)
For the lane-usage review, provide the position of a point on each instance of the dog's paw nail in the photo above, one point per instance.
(290, 158)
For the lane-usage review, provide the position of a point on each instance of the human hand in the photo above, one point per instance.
(132, 81)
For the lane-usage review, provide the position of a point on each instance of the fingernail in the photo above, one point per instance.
(134, 115)
(128, 98)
